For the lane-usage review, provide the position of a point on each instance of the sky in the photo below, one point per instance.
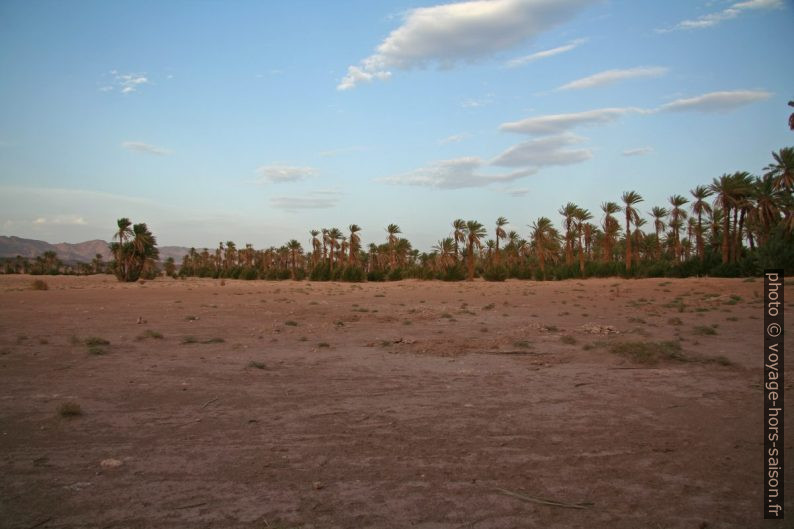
(258, 121)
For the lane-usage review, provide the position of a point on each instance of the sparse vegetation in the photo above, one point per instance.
(95, 341)
(649, 353)
(256, 365)
(70, 409)
(39, 284)
(704, 330)
(568, 339)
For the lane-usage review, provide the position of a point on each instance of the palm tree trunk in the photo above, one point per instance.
(726, 228)
(628, 242)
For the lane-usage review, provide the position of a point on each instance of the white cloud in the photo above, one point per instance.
(61, 220)
(716, 101)
(639, 151)
(455, 138)
(611, 76)
(457, 173)
(549, 150)
(521, 61)
(478, 102)
(313, 200)
(145, 148)
(460, 32)
(271, 174)
(126, 83)
(356, 75)
(557, 123)
(712, 19)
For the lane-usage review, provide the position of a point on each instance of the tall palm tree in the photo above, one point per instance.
(355, 243)
(677, 217)
(782, 171)
(568, 212)
(611, 228)
(393, 230)
(316, 247)
(474, 232)
(723, 189)
(581, 217)
(639, 238)
(333, 236)
(325, 243)
(544, 238)
(445, 249)
(700, 206)
(500, 234)
(294, 248)
(767, 199)
(458, 234)
(659, 214)
(630, 199)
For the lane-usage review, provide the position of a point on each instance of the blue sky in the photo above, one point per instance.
(258, 121)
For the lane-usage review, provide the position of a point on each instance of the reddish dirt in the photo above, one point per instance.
(381, 405)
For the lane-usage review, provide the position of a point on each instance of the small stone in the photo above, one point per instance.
(317, 485)
(111, 463)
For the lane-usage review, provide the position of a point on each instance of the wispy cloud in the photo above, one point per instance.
(712, 19)
(472, 102)
(521, 61)
(455, 138)
(60, 220)
(716, 101)
(145, 148)
(125, 83)
(273, 174)
(546, 151)
(313, 200)
(612, 76)
(448, 34)
(639, 151)
(518, 192)
(557, 123)
(332, 153)
(457, 173)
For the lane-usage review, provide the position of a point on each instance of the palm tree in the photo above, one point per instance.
(700, 206)
(474, 232)
(723, 189)
(458, 234)
(677, 216)
(568, 212)
(767, 199)
(316, 247)
(355, 243)
(611, 228)
(630, 198)
(445, 249)
(500, 234)
(333, 236)
(581, 217)
(544, 238)
(659, 213)
(325, 242)
(393, 230)
(294, 248)
(782, 171)
(639, 237)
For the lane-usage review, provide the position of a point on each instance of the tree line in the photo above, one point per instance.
(736, 225)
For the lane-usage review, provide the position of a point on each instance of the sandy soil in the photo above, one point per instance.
(381, 405)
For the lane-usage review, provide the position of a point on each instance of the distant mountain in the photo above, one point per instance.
(82, 252)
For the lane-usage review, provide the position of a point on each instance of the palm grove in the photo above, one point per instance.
(736, 225)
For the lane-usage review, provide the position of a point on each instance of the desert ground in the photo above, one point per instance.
(603, 403)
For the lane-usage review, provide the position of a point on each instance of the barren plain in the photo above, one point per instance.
(603, 403)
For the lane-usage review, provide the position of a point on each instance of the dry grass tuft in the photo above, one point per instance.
(70, 409)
